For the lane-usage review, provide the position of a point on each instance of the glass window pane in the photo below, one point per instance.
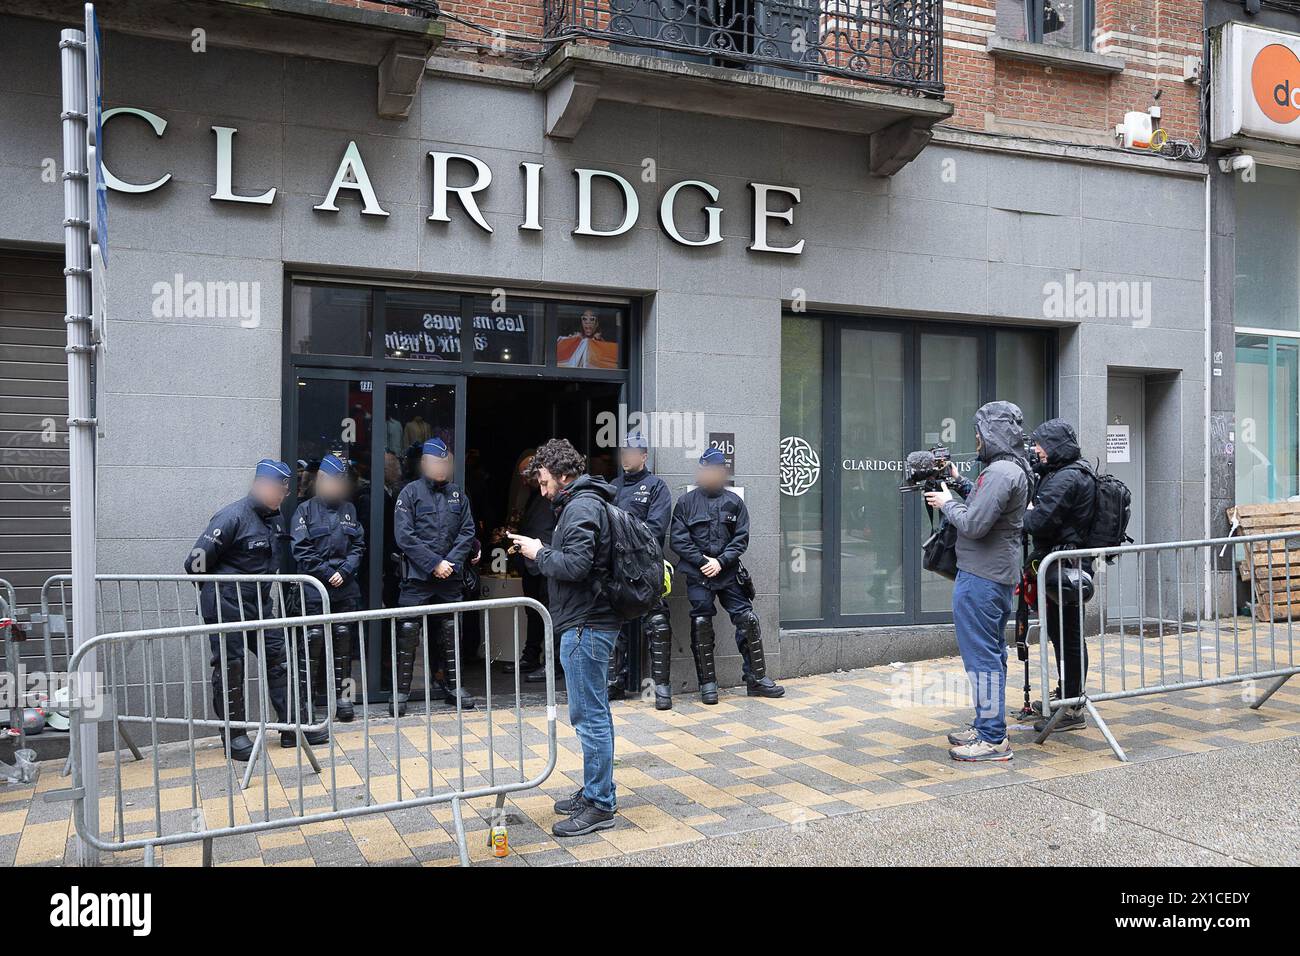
(802, 461)
(1268, 250)
(590, 336)
(424, 326)
(871, 444)
(1021, 373)
(950, 395)
(334, 417)
(1268, 418)
(508, 330)
(330, 320)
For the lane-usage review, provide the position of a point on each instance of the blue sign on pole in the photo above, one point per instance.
(95, 132)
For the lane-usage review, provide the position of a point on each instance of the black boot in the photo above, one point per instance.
(757, 683)
(240, 746)
(660, 633)
(702, 646)
(310, 653)
(408, 642)
(343, 690)
(450, 652)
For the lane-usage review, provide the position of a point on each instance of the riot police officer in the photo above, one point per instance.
(710, 532)
(330, 545)
(435, 534)
(640, 492)
(246, 537)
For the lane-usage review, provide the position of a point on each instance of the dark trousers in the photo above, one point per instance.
(631, 638)
(733, 601)
(535, 588)
(276, 662)
(1064, 628)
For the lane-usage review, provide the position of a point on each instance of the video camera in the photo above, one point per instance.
(926, 470)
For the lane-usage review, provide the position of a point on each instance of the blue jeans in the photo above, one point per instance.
(584, 655)
(980, 609)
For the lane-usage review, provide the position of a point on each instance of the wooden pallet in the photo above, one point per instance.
(1274, 566)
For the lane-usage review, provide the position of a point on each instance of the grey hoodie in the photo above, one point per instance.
(989, 521)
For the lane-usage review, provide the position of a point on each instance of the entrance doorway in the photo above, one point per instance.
(1126, 460)
(375, 371)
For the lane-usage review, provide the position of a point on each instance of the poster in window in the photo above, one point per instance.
(589, 337)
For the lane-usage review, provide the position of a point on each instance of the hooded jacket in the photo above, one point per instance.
(990, 520)
(1065, 497)
(578, 557)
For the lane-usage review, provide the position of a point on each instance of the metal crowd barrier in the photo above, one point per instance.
(1163, 617)
(13, 700)
(135, 601)
(198, 766)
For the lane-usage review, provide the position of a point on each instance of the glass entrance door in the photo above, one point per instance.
(377, 422)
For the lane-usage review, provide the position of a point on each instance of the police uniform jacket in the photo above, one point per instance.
(710, 525)
(327, 540)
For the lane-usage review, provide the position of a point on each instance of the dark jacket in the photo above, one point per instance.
(578, 556)
(1066, 494)
(328, 539)
(432, 523)
(645, 495)
(710, 526)
(538, 522)
(989, 521)
(242, 538)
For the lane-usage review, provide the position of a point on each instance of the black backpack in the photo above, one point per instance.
(1112, 508)
(634, 581)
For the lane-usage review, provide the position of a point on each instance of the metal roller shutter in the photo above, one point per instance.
(34, 513)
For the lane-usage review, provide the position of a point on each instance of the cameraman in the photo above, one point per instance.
(1059, 518)
(988, 525)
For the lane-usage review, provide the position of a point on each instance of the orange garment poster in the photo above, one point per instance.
(585, 351)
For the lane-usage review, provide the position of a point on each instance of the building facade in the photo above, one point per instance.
(350, 228)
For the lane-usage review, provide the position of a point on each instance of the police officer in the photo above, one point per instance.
(246, 537)
(330, 545)
(642, 493)
(709, 534)
(435, 533)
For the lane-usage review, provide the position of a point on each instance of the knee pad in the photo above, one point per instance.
(408, 632)
(658, 627)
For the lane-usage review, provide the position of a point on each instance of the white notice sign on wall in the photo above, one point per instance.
(1117, 444)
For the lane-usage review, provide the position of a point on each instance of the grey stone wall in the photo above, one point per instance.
(961, 234)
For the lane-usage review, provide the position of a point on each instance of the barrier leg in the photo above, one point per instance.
(309, 753)
(259, 745)
(135, 751)
(1051, 722)
(1105, 731)
(461, 844)
(207, 852)
(121, 729)
(1273, 689)
(149, 855)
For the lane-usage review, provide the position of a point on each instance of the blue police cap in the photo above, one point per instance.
(275, 470)
(435, 447)
(333, 465)
(713, 457)
(636, 440)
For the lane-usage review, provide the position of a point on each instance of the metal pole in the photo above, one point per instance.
(81, 425)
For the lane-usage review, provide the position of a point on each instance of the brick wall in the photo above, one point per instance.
(989, 93)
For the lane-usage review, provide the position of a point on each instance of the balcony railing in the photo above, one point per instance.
(892, 42)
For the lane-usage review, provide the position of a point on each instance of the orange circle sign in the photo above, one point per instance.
(1275, 79)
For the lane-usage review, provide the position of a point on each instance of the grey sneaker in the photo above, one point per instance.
(589, 819)
(959, 738)
(1074, 718)
(982, 750)
(570, 804)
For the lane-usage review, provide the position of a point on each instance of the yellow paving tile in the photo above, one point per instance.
(586, 852)
(377, 839)
(42, 842)
(275, 839)
(701, 792)
(11, 821)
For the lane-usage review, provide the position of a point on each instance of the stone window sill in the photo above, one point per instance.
(1044, 54)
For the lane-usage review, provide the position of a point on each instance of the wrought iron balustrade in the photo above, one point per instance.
(892, 42)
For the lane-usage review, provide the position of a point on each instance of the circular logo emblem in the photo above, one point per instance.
(800, 466)
(1275, 81)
